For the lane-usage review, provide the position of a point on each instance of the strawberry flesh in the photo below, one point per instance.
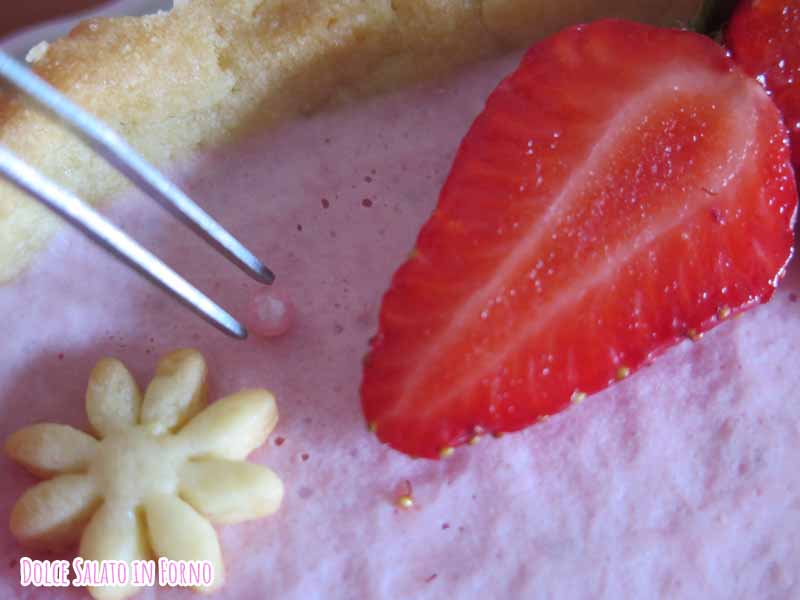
(764, 39)
(626, 188)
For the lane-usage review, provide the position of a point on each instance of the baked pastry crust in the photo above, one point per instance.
(177, 81)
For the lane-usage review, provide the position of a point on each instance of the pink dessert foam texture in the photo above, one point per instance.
(681, 482)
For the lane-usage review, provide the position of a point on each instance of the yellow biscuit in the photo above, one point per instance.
(162, 468)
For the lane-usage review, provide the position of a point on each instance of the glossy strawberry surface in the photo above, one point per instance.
(626, 188)
(764, 38)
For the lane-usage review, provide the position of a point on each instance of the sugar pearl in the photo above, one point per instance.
(270, 314)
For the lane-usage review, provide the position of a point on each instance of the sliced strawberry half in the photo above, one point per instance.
(625, 188)
(764, 38)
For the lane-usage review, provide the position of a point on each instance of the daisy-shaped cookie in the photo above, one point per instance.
(162, 468)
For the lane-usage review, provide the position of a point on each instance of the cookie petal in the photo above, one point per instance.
(114, 533)
(233, 427)
(113, 399)
(179, 532)
(47, 449)
(228, 491)
(53, 513)
(176, 393)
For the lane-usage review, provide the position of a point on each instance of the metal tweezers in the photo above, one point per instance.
(150, 180)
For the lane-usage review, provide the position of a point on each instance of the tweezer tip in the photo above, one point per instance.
(266, 275)
(237, 331)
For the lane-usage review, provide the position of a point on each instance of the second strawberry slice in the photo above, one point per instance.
(627, 187)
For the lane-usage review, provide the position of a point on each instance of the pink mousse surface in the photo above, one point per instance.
(681, 482)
